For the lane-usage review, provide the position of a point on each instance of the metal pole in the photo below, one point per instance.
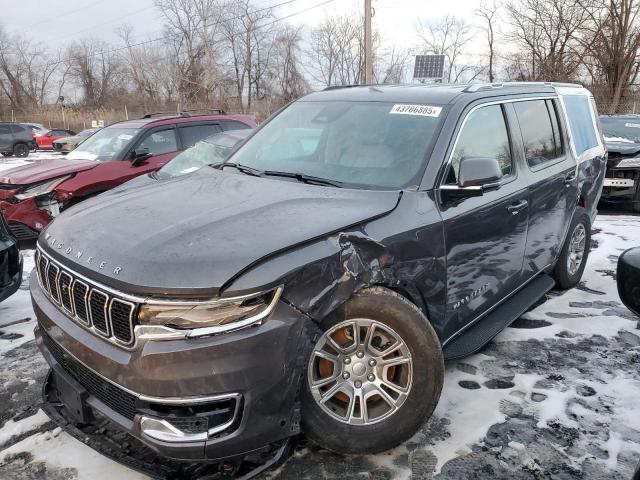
(126, 114)
(368, 54)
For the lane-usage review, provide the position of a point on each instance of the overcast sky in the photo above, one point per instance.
(59, 22)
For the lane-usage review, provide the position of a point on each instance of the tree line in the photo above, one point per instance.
(238, 55)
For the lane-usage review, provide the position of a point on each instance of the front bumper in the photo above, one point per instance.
(25, 218)
(162, 380)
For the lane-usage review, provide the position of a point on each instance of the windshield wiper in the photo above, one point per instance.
(301, 177)
(237, 166)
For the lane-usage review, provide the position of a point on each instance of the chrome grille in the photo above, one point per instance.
(91, 306)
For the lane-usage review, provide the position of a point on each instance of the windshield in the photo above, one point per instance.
(105, 145)
(212, 150)
(625, 130)
(370, 144)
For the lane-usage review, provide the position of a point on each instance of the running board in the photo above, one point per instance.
(482, 332)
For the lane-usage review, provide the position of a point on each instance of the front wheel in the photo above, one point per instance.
(21, 150)
(575, 251)
(374, 376)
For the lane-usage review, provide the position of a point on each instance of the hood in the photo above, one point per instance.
(41, 170)
(622, 146)
(191, 235)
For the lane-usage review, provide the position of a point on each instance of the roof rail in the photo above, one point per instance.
(155, 114)
(203, 111)
(475, 87)
(337, 87)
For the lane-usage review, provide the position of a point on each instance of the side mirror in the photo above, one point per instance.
(628, 279)
(479, 172)
(140, 156)
(475, 176)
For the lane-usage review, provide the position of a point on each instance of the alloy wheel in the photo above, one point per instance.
(577, 247)
(360, 372)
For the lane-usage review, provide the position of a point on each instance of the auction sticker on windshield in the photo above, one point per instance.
(423, 110)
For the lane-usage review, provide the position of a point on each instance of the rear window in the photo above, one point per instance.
(621, 129)
(194, 133)
(17, 128)
(540, 132)
(580, 122)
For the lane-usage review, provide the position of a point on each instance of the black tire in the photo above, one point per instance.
(6, 154)
(635, 202)
(405, 319)
(563, 277)
(21, 150)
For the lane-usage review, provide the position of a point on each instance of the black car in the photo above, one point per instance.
(10, 262)
(622, 139)
(319, 279)
(628, 279)
(15, 139)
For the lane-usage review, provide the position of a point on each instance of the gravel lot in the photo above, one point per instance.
(553, 396)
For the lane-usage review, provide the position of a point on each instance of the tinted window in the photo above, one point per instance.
(193, 134)
(17, 128)
(160, 142)
(540, 133)
(484, 134)
(5, 130)
(580, 122)
(233, 125)
(359, 143)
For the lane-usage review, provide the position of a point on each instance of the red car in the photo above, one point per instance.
(45, 142)
(32, 195)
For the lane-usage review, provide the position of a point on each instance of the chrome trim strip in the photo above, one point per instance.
(104, 308)
(52, 265)
(131, 329)
(69, 292)
(87, 321)
(162, 332)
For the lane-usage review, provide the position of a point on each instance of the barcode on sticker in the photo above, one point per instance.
(423, 110)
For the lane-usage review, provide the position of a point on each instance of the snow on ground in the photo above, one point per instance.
(553, 396)
(7, 163)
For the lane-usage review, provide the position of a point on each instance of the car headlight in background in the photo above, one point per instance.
(629, 163)
(170, 319)
(40, 188)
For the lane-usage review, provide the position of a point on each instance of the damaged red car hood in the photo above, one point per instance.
(42, 170)
(192, 234)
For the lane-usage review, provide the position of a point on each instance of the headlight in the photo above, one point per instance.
(170, 319)
(41, 188)
(629, 163)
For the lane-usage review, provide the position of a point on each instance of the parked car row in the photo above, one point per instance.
(317, 277)
(32, 195)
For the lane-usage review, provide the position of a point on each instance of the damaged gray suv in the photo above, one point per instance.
(318, 279)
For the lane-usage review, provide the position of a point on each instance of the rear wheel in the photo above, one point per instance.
(575, 251)
(374, 376)
(21, 150)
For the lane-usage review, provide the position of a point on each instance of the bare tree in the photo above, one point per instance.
(613, 43)
(288, 76)
(449, 36)
(391, 65)
(547, 35)
(95, 69)
(487, 12)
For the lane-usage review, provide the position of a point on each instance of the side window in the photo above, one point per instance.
(540, 131)
(160, 142)
(193, 134)
(233, 125)
(580, 122)
(5, 130)
(17, 128)
(484, 134)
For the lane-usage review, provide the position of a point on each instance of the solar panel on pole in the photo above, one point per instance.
(428, 67)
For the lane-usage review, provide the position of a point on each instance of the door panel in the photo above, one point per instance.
(485, 236)
(552, 177)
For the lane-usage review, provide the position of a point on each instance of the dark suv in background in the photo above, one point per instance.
(622, 139)
(32, 195)
(318, 278)
(15, 139)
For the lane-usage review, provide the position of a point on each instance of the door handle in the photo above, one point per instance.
(570, 178)
(515, 208)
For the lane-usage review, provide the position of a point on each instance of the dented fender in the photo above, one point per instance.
(321, 276)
